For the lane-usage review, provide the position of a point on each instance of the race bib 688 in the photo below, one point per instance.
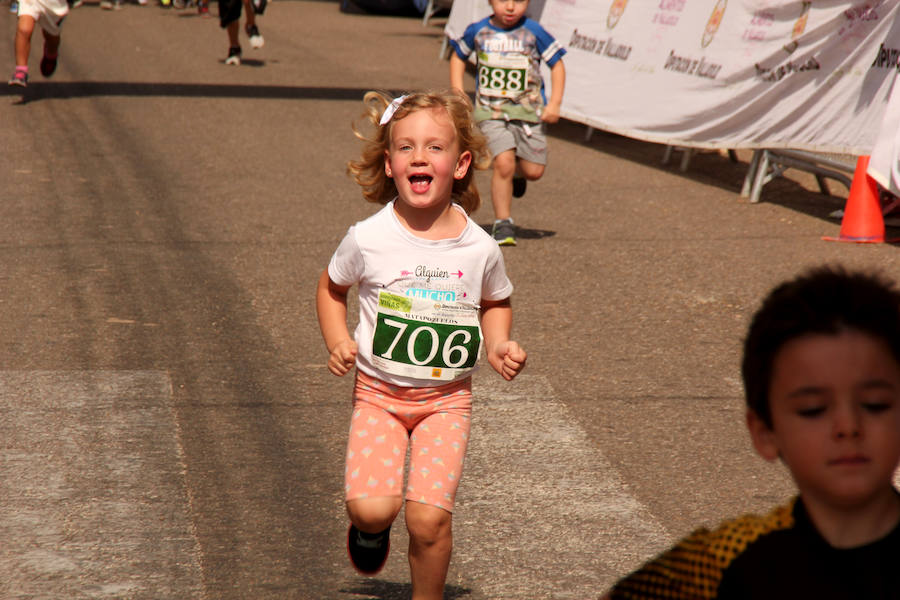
(502, 76)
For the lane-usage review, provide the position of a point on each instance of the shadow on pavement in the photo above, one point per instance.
(708, 167)
(523, 232)
(375, 589)
(46, 90)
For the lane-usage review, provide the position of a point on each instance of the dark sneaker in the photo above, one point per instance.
(368, 551)
(519, 185)
(19, 78)
(234, 56)
(48, 65)
(259, 6)
(256, 40)
(504, 232)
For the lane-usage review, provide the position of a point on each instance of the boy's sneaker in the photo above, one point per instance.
(19, 78)
(14, 7)
(504, 232)
(259, 6)
(256, 40)
(234, 56)
(203, 8)
(368, 551)
(519, 185)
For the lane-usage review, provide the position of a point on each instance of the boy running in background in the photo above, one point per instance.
(49, 14)
(821, 373)
(510, 104)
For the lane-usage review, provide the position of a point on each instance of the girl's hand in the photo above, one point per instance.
(508, 359)
(343, 357)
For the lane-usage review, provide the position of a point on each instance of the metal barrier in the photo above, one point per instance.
(766, 165)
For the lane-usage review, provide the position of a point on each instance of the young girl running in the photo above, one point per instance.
(426, 272)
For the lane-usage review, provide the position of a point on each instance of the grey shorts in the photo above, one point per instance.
(527, 139)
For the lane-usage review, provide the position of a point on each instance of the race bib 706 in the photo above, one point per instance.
(425, 339)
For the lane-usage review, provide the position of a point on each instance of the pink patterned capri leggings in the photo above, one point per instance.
(433, 421)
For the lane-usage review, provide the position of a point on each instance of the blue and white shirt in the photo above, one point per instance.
(509, 83)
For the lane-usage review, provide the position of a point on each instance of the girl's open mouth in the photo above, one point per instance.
(420, 183)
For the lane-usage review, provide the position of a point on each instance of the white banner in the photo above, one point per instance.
(711, 73)
(884, 165)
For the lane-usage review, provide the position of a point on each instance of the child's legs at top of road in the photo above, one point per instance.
(230, 17)
(229, 12)
(517, 148)
(433, 421)
(48, 17)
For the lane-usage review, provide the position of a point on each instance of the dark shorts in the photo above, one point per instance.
(229, 11)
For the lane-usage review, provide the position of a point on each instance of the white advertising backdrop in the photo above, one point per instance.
(813, 76)
(884, 165)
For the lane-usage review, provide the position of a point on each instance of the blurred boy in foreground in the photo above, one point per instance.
(821, 371)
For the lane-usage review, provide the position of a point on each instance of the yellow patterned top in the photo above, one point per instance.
(693, 568)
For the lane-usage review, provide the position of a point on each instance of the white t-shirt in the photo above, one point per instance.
(418, 298)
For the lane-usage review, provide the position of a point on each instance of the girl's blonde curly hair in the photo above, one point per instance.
(368, 171)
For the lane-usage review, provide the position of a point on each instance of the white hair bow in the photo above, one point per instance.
(391, 109)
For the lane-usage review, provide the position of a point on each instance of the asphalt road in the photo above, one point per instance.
(169, 427)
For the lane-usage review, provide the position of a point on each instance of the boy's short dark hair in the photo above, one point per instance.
(825, 300)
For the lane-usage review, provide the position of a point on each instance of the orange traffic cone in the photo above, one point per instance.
(863, 221)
